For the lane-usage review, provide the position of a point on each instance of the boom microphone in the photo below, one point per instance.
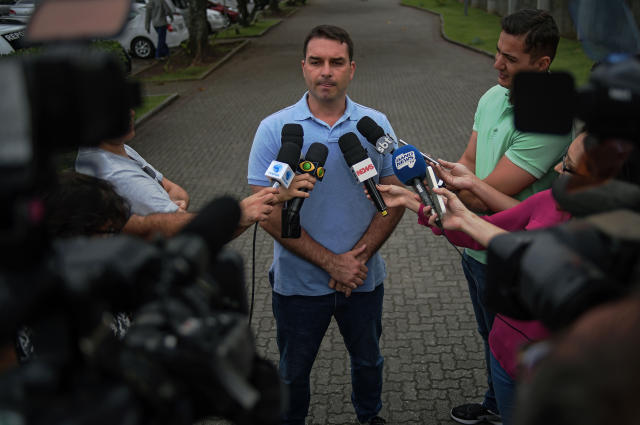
(362, 166)
(375, 135)
(313, 164)
(411, 169)
(215, 223)
(280, 170)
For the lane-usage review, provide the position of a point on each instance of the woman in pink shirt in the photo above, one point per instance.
(465, 228)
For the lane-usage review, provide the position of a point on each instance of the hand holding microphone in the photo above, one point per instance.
(411, 169)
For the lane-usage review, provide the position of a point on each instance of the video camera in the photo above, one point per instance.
(189, 352)
(554, 275)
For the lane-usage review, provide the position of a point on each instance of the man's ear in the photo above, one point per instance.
(543, 63)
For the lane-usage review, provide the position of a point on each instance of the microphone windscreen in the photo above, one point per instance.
(352, 149)
(289, 154)
(408, 164)
(318, 153)
(215, 223)
(292, 133)
(369, 129)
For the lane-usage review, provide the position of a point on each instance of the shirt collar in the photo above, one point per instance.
(302, 111)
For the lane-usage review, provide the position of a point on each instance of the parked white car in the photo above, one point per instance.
(135, 38)
(11, 35)
(22, 10)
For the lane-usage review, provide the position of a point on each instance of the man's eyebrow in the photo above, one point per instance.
(505, 54)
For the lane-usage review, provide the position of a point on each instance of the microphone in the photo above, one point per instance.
(215, 223)
(384, 143)
(280, 170)
(313, 164)
(292, 133)
(411, 169)
(362, 167)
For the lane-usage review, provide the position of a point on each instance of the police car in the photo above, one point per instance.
(11, 35)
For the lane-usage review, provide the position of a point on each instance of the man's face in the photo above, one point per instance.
(327, 69)
(511, 59)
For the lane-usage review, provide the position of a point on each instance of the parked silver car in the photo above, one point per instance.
(22, 10)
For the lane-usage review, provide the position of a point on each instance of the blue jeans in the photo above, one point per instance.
(505, 389)
(162, 50)
(476, 274)
(301, 324)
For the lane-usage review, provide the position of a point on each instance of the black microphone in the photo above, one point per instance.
(358, 160)
(375, 135)
(292, 133)
(215, 223)
(313, 164)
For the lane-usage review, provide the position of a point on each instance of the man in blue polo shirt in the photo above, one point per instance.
(333, 269)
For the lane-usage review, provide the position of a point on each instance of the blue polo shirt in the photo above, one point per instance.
(337, 213)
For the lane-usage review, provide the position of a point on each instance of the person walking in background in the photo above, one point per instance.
(158, 11)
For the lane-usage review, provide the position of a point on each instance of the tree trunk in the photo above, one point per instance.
(274, 6)
(198, 30)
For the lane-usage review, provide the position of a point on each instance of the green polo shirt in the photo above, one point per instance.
(497, 136)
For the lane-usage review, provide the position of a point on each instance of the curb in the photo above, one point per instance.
(208, 71)
(141, 70)
(157, 109)
(266, 30)
(444, 35)
(223, 60)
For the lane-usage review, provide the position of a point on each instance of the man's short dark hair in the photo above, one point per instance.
(81, 205)
(541, 31)
(330, 32)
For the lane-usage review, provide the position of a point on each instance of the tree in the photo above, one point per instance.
(198, 29)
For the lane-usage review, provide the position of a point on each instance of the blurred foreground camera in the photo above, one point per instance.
(555, 275)
(189, 352)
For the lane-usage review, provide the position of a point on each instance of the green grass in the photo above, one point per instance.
(481, 30)
(189, 73)
(150, 102)
(254, 30)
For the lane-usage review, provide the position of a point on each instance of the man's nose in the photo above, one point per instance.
(499, 61)
(326, 69)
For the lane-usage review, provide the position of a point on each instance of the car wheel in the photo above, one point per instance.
(142, 47)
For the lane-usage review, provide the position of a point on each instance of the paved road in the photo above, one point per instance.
(428, 88)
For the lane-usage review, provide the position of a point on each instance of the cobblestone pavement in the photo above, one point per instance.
(428, 88)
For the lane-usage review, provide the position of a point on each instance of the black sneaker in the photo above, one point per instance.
(474, 413)
(376, 420)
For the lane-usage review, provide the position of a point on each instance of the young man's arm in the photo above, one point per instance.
(506, 177)
(167, 224)
(468, 158)
(176, 193)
